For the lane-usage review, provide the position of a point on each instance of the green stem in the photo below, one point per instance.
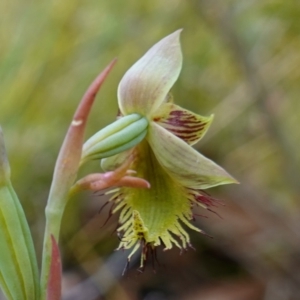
(53, 224)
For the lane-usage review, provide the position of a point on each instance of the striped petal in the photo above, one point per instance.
(185, 164)
(146, 84)
(183, 123)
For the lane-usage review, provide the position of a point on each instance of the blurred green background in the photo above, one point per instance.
(241, 62)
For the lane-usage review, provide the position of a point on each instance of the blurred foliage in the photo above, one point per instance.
(241, 62)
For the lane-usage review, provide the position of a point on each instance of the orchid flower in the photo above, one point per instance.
(156, 214)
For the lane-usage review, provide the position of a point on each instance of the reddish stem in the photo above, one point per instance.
(55, 274)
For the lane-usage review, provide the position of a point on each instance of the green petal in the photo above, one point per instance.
(156, 215)
(146, 84)
(183, 123)
(183, 163)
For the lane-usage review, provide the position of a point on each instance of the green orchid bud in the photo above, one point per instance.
(18, 265)
(117, 137)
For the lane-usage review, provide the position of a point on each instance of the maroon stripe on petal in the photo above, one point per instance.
(190, 137)
(184, 124)
(177, 113)
(181, 131)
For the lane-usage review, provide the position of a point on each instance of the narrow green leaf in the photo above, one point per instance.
(18, 265)
(13, 285)
(14, 263)
(28, 242)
